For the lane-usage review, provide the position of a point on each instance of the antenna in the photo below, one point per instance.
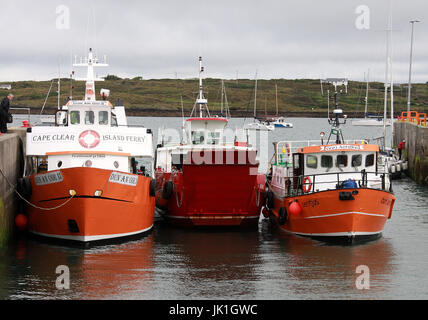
(255, 97)
(201, 101)
(91, 61)
(59, 81)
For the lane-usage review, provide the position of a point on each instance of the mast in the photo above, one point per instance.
(90, 79)
(367, 95)
(59, 85)
(222, 96)
(390, 72)
(201, 101)
(385, 105)
(255, 98)
(276, 98)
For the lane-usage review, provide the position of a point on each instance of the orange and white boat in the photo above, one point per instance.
(86, 186)
(329, 191)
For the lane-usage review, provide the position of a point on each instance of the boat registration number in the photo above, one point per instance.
(48, 178)
(122, 178)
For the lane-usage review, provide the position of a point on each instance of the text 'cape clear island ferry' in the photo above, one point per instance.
(205, 182)
(86, 186)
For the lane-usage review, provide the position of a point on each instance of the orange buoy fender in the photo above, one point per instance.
(21, 221)
(295, 208)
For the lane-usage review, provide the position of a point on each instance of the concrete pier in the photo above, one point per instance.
(12, 147)
(416, 149)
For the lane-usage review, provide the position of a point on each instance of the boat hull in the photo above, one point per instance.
(337, 214)
(119, 211)
(213, 195)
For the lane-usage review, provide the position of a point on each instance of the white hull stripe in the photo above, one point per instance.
(212, 217)
(90, 238)
(335, 234)
(345, 213)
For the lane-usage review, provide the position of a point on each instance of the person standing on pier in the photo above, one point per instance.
(400, 148)
(4, 112)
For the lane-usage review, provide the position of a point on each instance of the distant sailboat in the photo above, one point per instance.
(260, 125)
(370, 120)
(277, 121)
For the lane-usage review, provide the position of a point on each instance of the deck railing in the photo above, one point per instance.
(307, 184)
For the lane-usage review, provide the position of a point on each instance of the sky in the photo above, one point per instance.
(297, 39)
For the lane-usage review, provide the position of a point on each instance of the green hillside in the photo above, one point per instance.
(162, 97)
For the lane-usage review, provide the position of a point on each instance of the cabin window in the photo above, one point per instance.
(198, 137)
(213, 138)
(103, 117)
(342, 160)
(370, 160)
(326, 161)
(89, 117)
(75, 117)
(311, 162)
(357, 159)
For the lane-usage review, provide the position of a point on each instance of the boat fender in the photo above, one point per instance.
(24, 187)
(270, 200)
(153, 188)
(282, 216)
(168, 189)
(307, 184)
(295, 208)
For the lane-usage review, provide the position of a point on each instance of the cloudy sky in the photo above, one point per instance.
(163, 38)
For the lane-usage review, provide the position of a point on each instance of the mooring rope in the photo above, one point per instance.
(28, 202)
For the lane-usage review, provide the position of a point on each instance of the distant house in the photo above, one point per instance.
(5, 86)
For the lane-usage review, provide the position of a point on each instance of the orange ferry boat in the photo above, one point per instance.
(86, 187)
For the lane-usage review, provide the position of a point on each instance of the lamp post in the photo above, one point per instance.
(410, 68)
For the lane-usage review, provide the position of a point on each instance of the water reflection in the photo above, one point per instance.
(101, 272)
(311, 269)
(207, 263)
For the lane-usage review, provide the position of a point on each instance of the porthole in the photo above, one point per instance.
(59, 164)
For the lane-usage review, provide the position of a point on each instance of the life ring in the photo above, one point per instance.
(89, 139)
(307, 184)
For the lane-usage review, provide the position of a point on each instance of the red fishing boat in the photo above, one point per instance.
(86, 187)
(204, 181)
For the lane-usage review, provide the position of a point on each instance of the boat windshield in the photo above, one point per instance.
(213, 138)
(198, 137)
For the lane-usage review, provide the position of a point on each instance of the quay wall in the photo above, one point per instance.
(12, 146)
(416, 149)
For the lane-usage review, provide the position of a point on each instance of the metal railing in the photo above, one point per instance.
(28, 110)
(306, 184)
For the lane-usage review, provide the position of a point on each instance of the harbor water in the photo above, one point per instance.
(174, 263)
